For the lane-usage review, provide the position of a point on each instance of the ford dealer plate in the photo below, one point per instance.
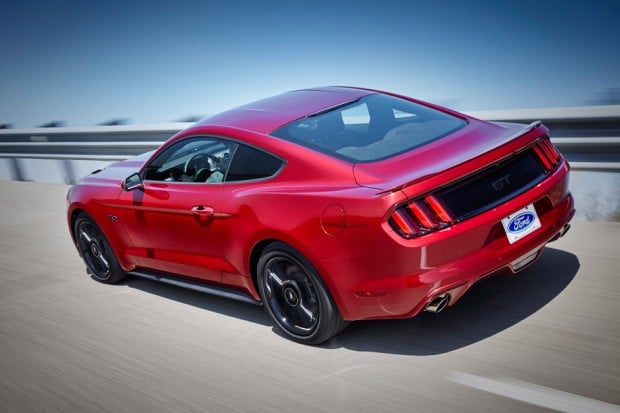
(521, 223)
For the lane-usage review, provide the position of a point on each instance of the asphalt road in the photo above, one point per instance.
(547, 339)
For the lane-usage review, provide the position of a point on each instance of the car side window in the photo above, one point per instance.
(249, 163)
(198, 159)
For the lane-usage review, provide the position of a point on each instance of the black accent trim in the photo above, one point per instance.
(338, 106)
(202, 286)
(494, 185)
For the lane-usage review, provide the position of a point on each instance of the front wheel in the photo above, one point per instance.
(96, 252)
(295, 297)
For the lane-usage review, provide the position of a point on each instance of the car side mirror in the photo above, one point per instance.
(133, 181)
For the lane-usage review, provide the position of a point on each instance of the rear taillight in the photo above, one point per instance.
(421, 216)
(547, 154)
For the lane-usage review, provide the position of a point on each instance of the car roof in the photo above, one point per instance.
(268, 114)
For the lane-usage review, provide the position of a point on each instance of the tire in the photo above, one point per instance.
(295, 297)
(101, 263)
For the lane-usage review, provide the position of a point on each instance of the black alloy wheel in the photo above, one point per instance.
(99, 258)
(295, 297)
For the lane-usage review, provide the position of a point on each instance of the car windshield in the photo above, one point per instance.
(370, 129)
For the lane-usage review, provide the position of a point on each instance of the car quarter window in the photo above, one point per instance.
(250, 163)
(197, 159)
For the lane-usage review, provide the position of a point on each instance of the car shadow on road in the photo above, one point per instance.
(488, 308)
(250, 312)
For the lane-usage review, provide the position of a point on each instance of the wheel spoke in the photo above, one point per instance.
(309, 314)
(104, 261)
(273, 276)
(86, 237)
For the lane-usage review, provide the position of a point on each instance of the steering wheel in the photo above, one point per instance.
(199, 163)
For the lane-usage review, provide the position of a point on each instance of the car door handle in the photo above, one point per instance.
(202, 210)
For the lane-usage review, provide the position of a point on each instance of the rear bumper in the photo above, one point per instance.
(405, 275)
(511, 261)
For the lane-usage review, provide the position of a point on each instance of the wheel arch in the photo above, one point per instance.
(112, 238)
(325, 319)
(255, 254)
(262, 244)
(72, 218)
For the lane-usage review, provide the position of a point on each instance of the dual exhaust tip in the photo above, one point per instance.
(438, 303)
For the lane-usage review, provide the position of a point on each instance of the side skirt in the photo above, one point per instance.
(203, 287)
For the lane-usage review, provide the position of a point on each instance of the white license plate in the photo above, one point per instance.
(521, 223)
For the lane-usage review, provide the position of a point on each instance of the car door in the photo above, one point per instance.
(173, 221)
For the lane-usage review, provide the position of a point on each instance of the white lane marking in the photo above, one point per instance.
(534, 394)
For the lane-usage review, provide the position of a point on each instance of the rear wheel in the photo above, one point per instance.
(95, 250)
(295, 297)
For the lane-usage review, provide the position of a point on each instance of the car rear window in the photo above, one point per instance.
(370, 129)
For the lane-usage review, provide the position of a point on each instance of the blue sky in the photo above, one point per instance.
(85, 62)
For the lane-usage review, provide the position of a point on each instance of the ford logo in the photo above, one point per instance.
(521, 222)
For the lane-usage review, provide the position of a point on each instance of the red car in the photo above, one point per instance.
(328, 205)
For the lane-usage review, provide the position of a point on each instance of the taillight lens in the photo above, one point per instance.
(421, 216)
(548, 155)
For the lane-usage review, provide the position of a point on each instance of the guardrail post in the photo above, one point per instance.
(16, 168)
(69, 172)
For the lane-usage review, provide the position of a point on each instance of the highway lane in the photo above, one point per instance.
(547, 339)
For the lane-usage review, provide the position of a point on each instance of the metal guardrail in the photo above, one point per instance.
(588, 136)
(594, 113)
(94, 143)
(584, 153)
(115, 151)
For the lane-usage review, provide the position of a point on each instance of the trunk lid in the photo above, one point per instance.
(473, 141)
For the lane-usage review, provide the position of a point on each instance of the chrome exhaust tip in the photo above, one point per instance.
(438, 303)
(560, 234)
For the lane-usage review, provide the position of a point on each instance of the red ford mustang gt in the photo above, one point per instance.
(328, 205)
